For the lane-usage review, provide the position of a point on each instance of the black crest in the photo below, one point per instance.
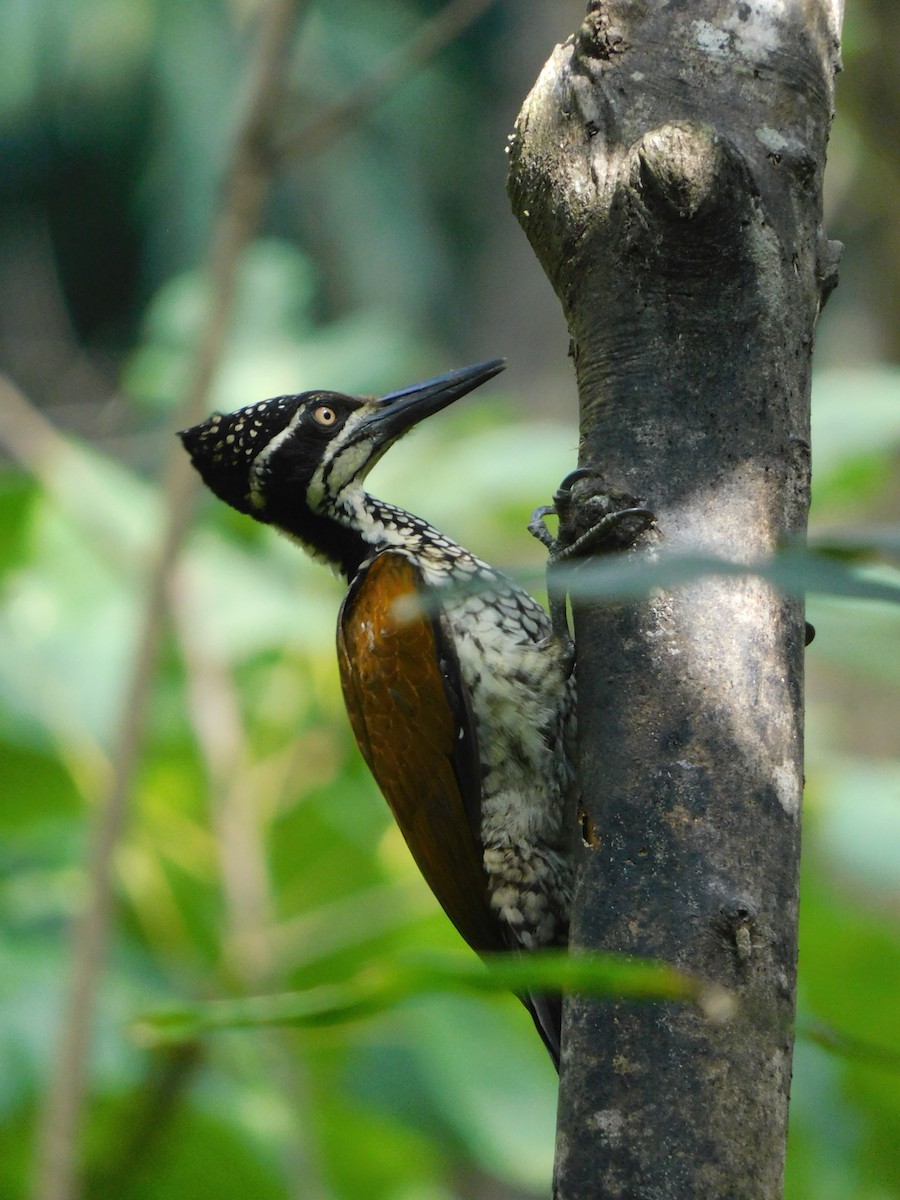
(223, 447)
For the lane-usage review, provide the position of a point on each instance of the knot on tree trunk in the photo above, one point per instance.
(679, 168)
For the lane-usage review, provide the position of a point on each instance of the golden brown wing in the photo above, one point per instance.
(408, 710)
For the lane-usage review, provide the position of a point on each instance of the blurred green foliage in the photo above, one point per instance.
(259, 856)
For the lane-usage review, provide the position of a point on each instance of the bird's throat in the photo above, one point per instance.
(352, 529)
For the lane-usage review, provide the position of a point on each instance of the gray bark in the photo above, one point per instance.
(667, 169)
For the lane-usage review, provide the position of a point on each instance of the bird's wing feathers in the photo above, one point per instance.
(410, 714)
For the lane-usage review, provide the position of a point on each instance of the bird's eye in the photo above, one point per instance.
(324, 415)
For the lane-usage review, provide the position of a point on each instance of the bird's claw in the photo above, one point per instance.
(602, 530)
(537, 526)
(619, 523)
(562, 497)
(561, 508)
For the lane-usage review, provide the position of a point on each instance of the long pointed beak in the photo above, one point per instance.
(399, 411)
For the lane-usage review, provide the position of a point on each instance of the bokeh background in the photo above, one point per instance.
(255, 853)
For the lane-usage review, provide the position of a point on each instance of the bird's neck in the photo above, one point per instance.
(354, 527)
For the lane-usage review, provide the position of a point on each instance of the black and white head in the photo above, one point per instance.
(299, 462)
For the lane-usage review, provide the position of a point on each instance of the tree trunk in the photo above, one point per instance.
(667, 168)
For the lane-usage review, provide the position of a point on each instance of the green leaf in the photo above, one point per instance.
(386, 984)
(276, 347)
(855, 433)
(496, 1090)
(858, 819)
(793, 570)
(872, 395)
(860, 1050)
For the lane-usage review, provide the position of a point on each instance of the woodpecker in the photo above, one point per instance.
(459, 692)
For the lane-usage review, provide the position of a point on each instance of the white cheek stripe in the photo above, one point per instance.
(341, 465)
(257, 499)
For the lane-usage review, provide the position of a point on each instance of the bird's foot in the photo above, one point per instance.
(601, 520)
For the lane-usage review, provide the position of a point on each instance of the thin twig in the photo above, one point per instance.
(57, 1174)
(29, 437)
(347, 112)
(64, 472)
(235, 810)
(146, 1120)
(236, 807)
